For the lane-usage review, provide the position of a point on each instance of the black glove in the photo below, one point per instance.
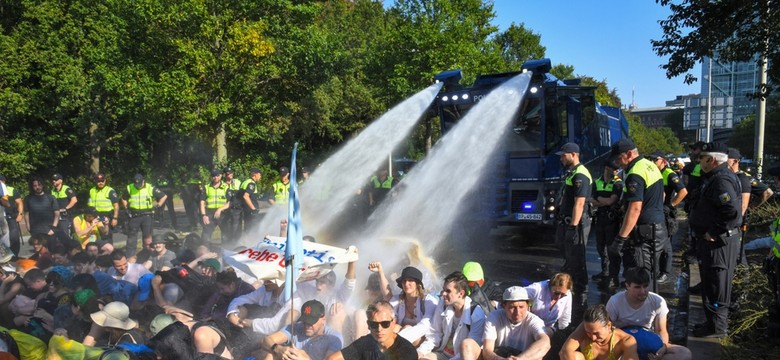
(255, 211)
(616, 247)
(570, 234)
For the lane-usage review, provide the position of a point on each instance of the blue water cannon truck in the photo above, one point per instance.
(523, 185)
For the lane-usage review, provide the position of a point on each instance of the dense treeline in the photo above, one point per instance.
(125, 86)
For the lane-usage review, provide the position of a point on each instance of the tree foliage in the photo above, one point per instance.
(734, 30)
(129, 86)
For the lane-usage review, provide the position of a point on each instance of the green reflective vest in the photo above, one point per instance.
(647, 171)
(216, 197)
(387, 184)
(62, 194)
(580, 169)
(140, 199)
(246, 183)
(99, 199)
(281, 192)
(665, 174)
(602, 186)
(696, 171)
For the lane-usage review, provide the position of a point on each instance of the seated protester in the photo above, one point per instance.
(334, 298)
(92, 250)
(512, 331)
(182, 287)
(104, 263)
(88, 227)
(59, 255)
(173, 341)
(114, 290)
(74, 317)
(82, 263)
(264, 302)
(456, 318)
(382, 343)
(113, 326)
(229, 287)
(161, 258)
(11, 284)
(414, 309)
(551, 301)
(597, 339)
(210, 267)
(484, 292)
(124, 270)
(104, 247)
(310, 338)
(643, 314)
(35, 283)
(40, 247)
(377, 288)
(57, 292)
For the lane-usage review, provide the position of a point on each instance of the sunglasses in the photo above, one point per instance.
(373, 325)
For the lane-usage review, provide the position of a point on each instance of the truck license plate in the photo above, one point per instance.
(520, 216)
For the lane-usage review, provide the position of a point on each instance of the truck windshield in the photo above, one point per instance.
(527, 129)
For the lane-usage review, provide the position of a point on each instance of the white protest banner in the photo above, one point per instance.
(265, 260)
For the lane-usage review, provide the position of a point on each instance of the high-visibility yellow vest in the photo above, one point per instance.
(100, 200)
(281, 192)
(62, 194)
(140, 199)
(387, 184)
(246, 183)
(647, 170)
(92, 236)
(580, 169)
(216, 196)
(776, 236)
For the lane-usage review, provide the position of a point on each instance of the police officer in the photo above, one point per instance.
(233, 213)
(754, 193)
(66, 200)
(643, 231)
(607, 191)
(165, 185)
(13, 215)
(674, 193)
(139, 199)
(212, 204)
(574, 224)
(105, 200)
(281, 188)
(191, 193)
(381, 184)
(250, 197)
(692, 174)
(715, 219)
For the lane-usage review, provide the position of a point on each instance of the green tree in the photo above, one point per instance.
(518, 45)
(734, 30)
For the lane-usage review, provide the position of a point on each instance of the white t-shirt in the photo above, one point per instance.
(622, 314)
(519, 336)
(560, 313)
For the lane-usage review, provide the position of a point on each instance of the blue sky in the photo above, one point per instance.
(607, 39)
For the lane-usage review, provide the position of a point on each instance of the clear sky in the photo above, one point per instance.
(606, 39)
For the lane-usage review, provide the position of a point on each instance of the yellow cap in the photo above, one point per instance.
(473, 271)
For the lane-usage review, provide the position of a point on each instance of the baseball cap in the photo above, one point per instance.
(158, 239)
(311, 312)
(2, 178)
(215, 172)
(283, 171)
(138, 178)
(255, 171)
(228, 169)
(472, 270)
(734, 154)
(145, 287)
(100, 177)
(56, 176)
(569, 147)
(213, 263)
(698, 145)
(621, 146)
(515, 293)
(715, 147)
(657, 154)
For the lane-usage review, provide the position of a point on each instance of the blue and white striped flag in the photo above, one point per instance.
(293, 251)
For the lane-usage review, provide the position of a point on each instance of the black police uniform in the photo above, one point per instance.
(573, 238)
(63, 197)
(644, 245)
(250, 217)
(191, 193)
(672, 186)
(167, 188)
(718, 213)
(607, 224)
(11, 213)
(140, 208)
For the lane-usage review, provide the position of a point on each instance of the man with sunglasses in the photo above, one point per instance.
(382, 342)
(310, 338)
(105, 200)
(715, 223)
